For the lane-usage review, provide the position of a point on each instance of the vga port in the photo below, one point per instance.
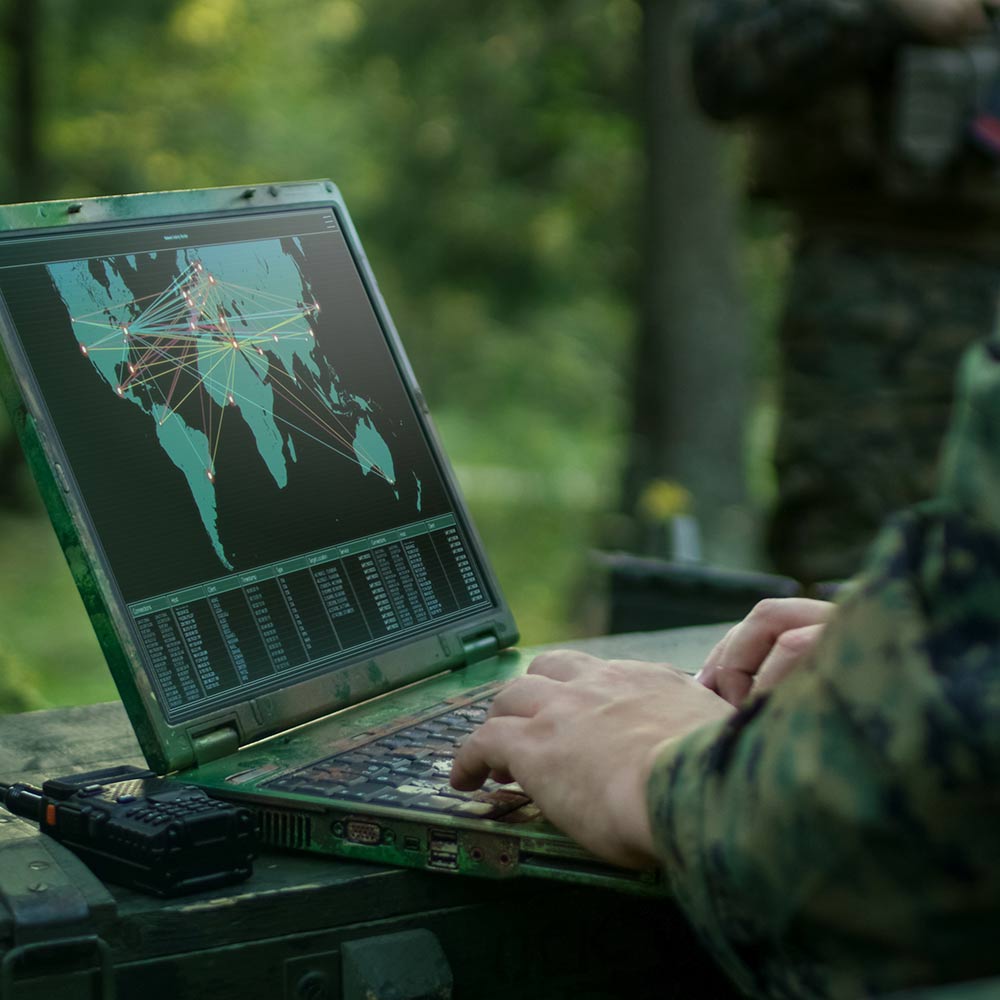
(362, 831)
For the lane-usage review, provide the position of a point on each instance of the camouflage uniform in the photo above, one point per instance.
(837, 837)
(891, 277)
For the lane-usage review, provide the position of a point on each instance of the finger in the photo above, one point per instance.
(523, 696)
(564, 664)
(788, 653)
(487, 749)
(710, 668)
(757, 634)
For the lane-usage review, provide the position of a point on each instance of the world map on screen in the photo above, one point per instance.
(230, 335)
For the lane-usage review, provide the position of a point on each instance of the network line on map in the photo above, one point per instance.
(186, 329)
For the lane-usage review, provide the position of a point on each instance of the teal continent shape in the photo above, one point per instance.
(231, 334)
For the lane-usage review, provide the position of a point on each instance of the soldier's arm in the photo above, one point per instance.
(837, 835)
(752, 56)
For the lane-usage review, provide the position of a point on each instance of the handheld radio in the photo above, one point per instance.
(137, 830)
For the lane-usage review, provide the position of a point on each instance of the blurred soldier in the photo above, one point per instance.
(878, 123)
(834, 835)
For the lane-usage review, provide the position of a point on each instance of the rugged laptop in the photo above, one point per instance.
(265, 530)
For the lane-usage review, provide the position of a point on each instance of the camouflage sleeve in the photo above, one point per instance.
(838, 836)
(767, 55)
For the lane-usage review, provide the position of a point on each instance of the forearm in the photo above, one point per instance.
(753, 56)
(833, 836)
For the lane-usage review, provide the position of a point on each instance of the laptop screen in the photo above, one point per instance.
(263, 492)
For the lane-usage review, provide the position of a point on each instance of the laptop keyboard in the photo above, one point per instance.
(408, 768)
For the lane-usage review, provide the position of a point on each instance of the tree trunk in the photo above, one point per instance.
(22, 42)
(690, 384)
(21, 30)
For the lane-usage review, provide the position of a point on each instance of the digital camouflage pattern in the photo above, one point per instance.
(884, 291)
(837, 837)
(870, 341)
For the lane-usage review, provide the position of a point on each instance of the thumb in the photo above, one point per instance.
(788, 652)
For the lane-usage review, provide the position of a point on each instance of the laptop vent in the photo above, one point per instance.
(284, 829)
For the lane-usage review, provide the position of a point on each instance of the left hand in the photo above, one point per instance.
(581, 736)
(768, 645)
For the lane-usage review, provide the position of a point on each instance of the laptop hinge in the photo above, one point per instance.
(480, 646)
(215, 743)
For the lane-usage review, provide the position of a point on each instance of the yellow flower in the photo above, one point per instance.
(662, 499)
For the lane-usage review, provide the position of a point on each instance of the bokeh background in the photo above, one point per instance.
(525, 178)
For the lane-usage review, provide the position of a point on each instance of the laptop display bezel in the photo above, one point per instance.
(174, 746)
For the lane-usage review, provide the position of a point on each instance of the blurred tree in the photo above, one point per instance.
(689, 382)
(21, 27)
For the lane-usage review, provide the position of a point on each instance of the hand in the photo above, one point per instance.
(581, 735)
(944, 20)
(765, 647)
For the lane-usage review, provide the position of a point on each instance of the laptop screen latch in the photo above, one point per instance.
(215, 744)
(480, 646)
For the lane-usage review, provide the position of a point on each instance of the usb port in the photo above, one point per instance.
(443, 850)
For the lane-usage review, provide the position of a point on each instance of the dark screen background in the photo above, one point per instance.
(140, 502)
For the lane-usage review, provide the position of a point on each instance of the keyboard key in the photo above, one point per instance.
(414, 789)
(306, 789)
(474, 808)
(364, 793)
(451, 793)
(441, 739)
(502, 801)
(392, 797)
(474, 713)
(434, 803)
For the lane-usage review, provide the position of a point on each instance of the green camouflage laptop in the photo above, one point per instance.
(268, 538)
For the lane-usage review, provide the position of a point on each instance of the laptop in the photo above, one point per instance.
(264, 527)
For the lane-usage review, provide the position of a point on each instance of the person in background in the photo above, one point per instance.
(825, 798)
(877, 124)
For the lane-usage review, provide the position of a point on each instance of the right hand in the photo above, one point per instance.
(765, 647)
(945, 21)
(581, 736)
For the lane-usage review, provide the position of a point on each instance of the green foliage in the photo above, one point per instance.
(491, 161)
(48, 652)
(18, 693)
